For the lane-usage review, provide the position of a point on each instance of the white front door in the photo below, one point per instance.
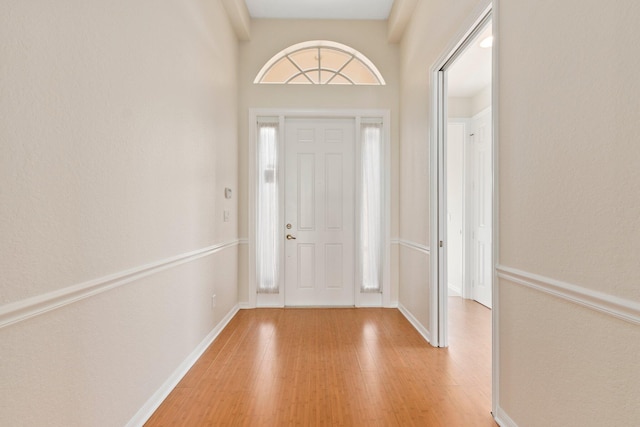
(482, 207)
(319, 212)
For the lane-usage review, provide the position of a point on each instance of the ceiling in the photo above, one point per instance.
(320, 9)
(471, 72)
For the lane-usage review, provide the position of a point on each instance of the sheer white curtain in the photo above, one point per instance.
(371, 207)
(268, 242)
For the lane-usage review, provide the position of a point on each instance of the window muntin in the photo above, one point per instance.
(319, 62)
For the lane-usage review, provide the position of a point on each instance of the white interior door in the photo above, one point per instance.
(319, 212)
(455, 206)
(482, 207)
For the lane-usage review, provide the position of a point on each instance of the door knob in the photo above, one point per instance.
(290, 237)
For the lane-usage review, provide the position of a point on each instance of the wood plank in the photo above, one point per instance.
(347, 367)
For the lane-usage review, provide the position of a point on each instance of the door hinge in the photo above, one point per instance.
(441, 243)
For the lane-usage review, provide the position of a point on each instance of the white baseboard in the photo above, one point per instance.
(247, 306)
(416, 324)
(503, 419)
(161, 394)
(453, 291)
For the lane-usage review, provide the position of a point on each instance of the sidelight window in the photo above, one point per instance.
(371, 206)
(268, 237)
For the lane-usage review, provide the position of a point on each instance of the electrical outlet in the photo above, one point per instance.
(213, 301)
(225, 216)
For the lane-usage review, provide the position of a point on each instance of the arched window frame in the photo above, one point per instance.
(319, 44)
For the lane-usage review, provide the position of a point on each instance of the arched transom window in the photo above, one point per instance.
(320, 62)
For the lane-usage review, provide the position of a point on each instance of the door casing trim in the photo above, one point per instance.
(438, 303)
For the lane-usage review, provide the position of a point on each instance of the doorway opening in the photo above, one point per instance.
(463, 213)
(468, 152)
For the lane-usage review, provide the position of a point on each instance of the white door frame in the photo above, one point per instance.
(438, 290)
(361, 299)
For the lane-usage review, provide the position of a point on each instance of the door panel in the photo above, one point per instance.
(482, 210)
(306, 267)
(306, 191)
(319, 205)
(455, 206)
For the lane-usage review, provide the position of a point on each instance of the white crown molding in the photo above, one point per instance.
(30, 307)
(413, 245)
(416, 324)
(161, 394)
(621, 308)
(399, 19)
(239, 18)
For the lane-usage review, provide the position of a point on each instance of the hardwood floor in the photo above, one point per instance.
(337, 367)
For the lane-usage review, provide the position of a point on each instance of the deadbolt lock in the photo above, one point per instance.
(288, 226)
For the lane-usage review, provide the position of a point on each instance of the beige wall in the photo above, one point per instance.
(461, 108)
(268, 37)
(569, 208)
(481, 100)
(118, 135)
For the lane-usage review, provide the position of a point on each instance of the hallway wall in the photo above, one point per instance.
(118, 135)
(568, 210)
(270, 36)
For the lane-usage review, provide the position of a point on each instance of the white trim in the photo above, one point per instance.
(422, 330)
(438, 303)
(454, 291)
(161, 394)
(244, 306)
(503, 420)
(243, 241)
(495, 238)
(438, 230)
(415, 246)
(30, 307)
(621, 308)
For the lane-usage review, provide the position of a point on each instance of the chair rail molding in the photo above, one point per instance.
(415, 246)
(621, 308)
(18, 311)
